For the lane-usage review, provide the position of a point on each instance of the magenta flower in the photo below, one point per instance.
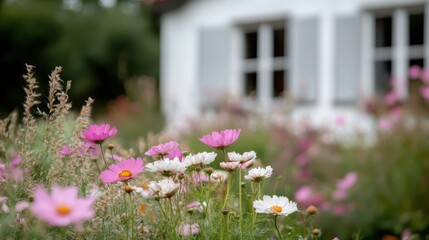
(414, 72)
(65, 151)
(222, 139)
(123, 171)
(62, 207)
(424, 91)
(188, 229)
(163, 149)
(348, 181)
(14, 171)
(98, 133)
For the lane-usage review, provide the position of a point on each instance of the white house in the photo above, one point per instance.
(327, 54)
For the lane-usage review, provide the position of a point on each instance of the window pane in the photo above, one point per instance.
(279, 42)
(416, 29)
(278, 83)
(250, 84)
(383, 32)
(416, 62)
(383, 70)
(251, 45)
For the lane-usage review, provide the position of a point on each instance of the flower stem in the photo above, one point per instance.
(240, 201)
(275, 224)
(102, 154)
(228, 184)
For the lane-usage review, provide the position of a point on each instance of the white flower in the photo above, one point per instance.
(275, 205)
(203, 158)
(144, 190)
(166, 166)
(230, 166)
(258, 174)
(165, 188)
(247, 156)
(219, 176)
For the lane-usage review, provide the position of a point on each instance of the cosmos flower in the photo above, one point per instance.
(242, 158)
(123, 171)
(221, 140)
(165, 188)
(162, 149)
(98, 133)
(259, 174)
(275, 205)
(62, 207)
(219, 176)
(230, 166)
(188, 229)
(167, 167)
(65, 151)
(197, 160)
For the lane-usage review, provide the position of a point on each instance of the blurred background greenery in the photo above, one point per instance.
(109, 52)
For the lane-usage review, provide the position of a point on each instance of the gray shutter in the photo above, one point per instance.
(304, 57)
(348, 55)
(213, 65)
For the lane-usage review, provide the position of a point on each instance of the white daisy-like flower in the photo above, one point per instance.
(219, 176)
(203, 158)
(259, 174)
(165, 188)
(167, 167)
(242, 158)
(230, 166)
(275, 205)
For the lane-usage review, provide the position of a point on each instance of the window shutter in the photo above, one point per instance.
(304, 57)
(348, 54)
(213, 65)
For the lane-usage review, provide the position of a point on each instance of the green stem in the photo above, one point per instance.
(102, 155)
(132, 217)
(98, 167)
(228, 183)
(127, 214)
(240, 201)
(275, 224)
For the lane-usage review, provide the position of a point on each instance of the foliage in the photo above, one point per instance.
(100, 48)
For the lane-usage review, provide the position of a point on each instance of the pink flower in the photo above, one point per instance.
(65, 151)
(175, 153)
(414, 72)
(123, 171)
(163, 149)
(189, 229)
(99, 133)
(222, 139)
(230, 166)
(391, 98)
(14, 171)
(200, 177)
(340, 120)
(348, 181)
(62, 207)
(425, 76)
(424, 91)
(90, 148)
(305, 196)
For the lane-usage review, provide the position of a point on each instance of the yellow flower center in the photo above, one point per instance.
(63, 209)
(277, 208)
(145, 186)
(125, 173)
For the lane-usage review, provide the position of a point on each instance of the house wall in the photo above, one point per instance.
(180, 31)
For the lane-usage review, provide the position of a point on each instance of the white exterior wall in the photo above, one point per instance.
(179, 50)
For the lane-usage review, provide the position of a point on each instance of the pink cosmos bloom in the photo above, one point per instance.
(98, 133)
(425, 76)
(90, 148)
(348, 181)
(14, 171)
(62, 207)
(195, 206)
(414, 72)
(340, 120)
(424, 91)
(189, 229)
(175, 153)
(391, 98)
(200, 177)
(385, 124)
(230, 166)
(3, 202)
(222, 139)
(305, 196)
(123, 171)
(65, 151)
(162, 149)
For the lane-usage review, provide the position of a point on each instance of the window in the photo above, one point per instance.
(398, 43)
(264, 68)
